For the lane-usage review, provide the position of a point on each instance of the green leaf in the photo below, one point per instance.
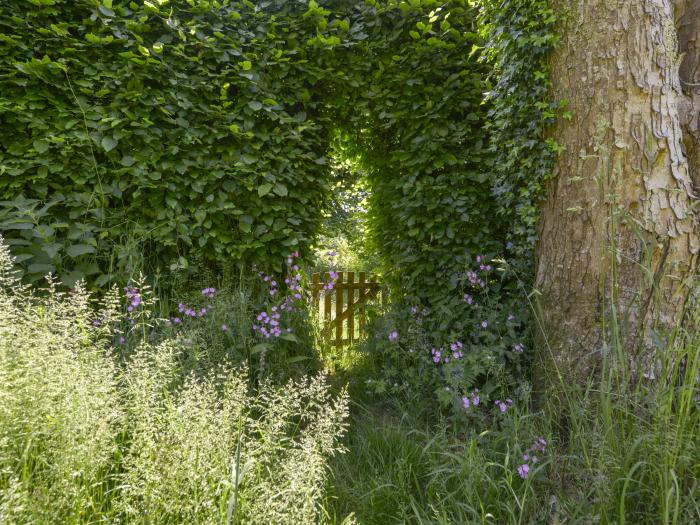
(246, 65)
(77, 250)
(255, 105)
(41, 268)
(128, 161)
(264, 189)
(51, 249)
(106, 11)
(109, 143)
(245, 223)
(260, 347)
(41, 146)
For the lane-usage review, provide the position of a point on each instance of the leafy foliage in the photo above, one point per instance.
(521, 36)
(201, 130)
(185, 125)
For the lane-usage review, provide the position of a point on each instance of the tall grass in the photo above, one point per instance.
(87, 437)
(623, 449)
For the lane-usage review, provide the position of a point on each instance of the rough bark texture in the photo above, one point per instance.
(619, 226)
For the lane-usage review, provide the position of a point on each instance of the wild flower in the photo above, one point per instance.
(518, 348)
(503, 405)
(209, 293)
(224, 328)
(393, 336)
(471, 399)
(468, 299)
(484, 324)
(529, 458)
(523, 470)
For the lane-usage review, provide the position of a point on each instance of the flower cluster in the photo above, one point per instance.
(134, 298)
(504, 405)
(187, 312)
(455, 352)
(529, 457)
(456, 349)
(471, 400)
(268, 323)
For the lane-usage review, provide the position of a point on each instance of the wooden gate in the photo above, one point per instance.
(341, 301)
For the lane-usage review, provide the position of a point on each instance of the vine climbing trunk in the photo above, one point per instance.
(618, 232)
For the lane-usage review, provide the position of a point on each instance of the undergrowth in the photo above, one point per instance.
(88, 434)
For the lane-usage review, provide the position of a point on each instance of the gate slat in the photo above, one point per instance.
(315, 291)
(339, 303)
(326, 300)
(350, 306)
(362, 302)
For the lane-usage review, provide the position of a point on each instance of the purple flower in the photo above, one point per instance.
(468, 299)
(518, 348)
(393, 336)
(122, 340)
(475, 400)
(465, 402)
(511, 317)
(484, 323)
(523, 470)
(224, 328)
(503, 405)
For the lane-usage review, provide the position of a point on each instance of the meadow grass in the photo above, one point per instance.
(105, 421)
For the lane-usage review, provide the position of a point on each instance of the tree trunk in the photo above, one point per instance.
(619, 230)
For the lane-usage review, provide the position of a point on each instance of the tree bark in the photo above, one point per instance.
(618, 232)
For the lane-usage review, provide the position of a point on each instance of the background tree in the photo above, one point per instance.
(619, 230)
